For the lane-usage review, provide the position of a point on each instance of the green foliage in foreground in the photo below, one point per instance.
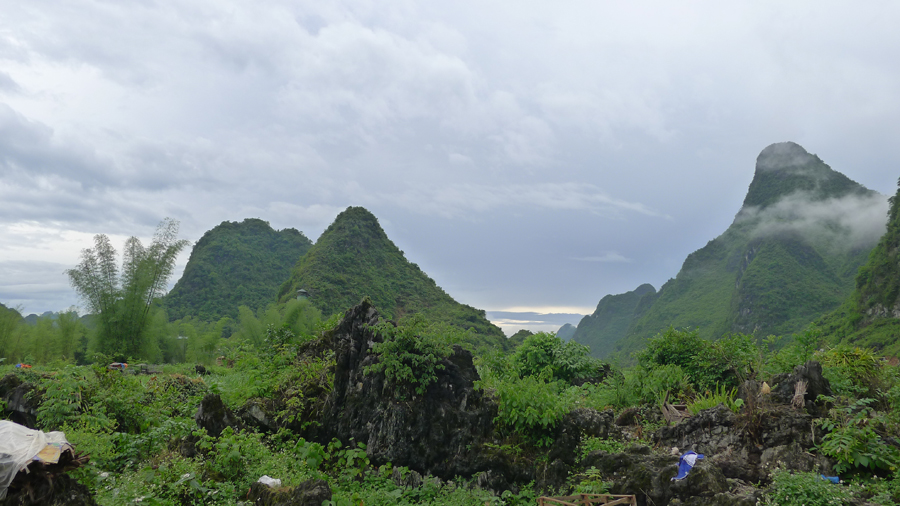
(853, 441)
(566, 361)
(533, 386)
(712, 399)
(728, 361)
(134, 425)
(805, 489)
(411, 353)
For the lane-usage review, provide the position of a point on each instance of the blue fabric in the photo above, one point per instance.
(686, 463)
(832, 479)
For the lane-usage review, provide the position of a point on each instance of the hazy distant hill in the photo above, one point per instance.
(610, 322)
(566, 332)
(354, 259)
(790, 256)
(235, 264)
(871, 315)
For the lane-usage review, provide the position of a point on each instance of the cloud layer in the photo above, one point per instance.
(523, 154)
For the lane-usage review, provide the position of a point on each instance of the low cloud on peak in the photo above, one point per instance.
(848, 222)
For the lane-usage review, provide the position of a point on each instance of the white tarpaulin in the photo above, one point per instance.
(20, 445)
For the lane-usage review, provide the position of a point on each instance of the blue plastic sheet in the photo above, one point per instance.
(686, 463)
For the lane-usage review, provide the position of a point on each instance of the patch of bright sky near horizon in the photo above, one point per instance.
(529, 156)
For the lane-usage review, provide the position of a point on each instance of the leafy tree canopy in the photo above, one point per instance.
(122, 300)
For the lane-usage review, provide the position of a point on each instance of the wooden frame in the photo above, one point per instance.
(589, 500)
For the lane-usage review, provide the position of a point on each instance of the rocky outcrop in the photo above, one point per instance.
(810, 374)
(575, 426)
(749, 446)
(20, 399)
(441, 432)
(648, 476)
(214, 416)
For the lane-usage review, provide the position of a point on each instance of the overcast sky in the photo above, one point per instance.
(529, 156)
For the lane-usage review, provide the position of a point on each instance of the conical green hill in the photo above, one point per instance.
(354, 259)
(789, 257)
(235, 264)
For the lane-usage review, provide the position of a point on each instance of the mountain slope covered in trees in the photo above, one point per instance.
(612, 319)
(354, 259)
(871, 315)
(235, 264)
(790, 256)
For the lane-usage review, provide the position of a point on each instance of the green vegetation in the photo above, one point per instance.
(235, 264)
(123, 302)
(712, 399)
(804, 489)
(411, 353)
(707, 364)
(852, 440)
(354, 259)
(134, 425)
(534, 385)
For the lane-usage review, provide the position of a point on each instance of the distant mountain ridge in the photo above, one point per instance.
(354, 258)
(235, 264)
(790, 256)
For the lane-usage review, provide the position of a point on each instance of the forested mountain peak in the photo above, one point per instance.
(355, 228)
(235, 264)
(785, 168)
(789, 257)
(354, 258)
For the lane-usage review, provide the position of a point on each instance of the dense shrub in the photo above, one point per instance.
(566, 361)
(728, 361)
(804, 489)
(411, 353)
(853, 440)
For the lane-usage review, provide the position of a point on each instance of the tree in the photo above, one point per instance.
(122, 302)
(9, 322)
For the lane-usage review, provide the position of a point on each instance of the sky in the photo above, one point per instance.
(531, 157)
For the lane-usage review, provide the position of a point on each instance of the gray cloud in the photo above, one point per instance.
(7, 84)
(472, 200)
(848, 222)
(606, 257)
(502, 145)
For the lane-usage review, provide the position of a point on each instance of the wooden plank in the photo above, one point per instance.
(589, 500)
(544, 501)
(625, 500)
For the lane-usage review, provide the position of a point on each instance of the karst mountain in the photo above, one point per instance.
(790, 256)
